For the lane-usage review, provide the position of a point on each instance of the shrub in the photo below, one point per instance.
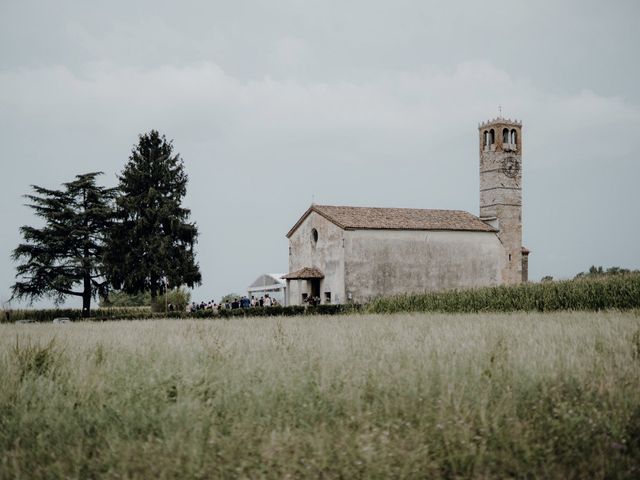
(178, 297)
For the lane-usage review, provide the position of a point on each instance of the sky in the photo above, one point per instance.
(274, 105)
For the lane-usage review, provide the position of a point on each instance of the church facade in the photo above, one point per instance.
(341, 254)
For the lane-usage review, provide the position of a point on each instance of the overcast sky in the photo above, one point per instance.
(273, 104)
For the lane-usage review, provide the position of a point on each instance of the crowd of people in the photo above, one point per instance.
(312, 300)
(234, 303)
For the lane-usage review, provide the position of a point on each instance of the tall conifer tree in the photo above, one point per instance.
(151, 244)
(66, 253)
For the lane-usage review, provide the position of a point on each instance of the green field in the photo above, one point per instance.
(532, 395)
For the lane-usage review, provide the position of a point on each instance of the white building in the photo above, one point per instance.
(271, 284)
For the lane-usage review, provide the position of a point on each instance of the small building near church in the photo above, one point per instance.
(270, 284)
(341, 254)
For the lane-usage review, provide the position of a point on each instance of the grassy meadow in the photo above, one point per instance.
(532, 395)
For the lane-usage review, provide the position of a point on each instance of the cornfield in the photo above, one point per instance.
(620, 292)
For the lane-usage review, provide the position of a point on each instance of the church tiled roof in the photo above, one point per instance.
(363, 218)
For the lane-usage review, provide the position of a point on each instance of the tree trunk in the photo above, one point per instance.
(86, 297)
(154, 302)
(86, 291)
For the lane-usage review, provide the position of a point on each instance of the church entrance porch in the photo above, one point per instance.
(303, 286)
(310, 291)
(314, 286)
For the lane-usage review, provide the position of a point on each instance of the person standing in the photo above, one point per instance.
(245, 302)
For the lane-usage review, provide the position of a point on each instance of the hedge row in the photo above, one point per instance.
(593, 293)
(47, 315)
(139, 313)
(277, 311)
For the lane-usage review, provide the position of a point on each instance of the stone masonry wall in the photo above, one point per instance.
(389, 262)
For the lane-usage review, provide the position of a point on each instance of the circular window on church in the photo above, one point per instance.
(314, 237)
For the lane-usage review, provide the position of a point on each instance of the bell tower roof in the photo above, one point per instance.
(500, 121)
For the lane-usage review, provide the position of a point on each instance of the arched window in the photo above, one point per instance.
(514, 137)
(505, 135)
(486, 138)
(492, 137)
(314, 237)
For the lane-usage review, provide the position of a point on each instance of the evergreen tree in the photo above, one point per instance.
(68, 250)
(151, 244)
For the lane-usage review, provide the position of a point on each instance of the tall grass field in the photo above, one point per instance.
(518, 395)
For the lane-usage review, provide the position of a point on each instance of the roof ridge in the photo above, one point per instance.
(395, 208)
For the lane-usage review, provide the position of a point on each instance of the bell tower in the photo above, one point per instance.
(501, 189)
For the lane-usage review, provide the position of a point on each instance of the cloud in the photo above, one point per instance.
(203, 97)
(258, 149)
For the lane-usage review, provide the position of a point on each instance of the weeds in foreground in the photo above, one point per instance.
(387, 396)
(32, 358)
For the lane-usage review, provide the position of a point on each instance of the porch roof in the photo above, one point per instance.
(304, 273)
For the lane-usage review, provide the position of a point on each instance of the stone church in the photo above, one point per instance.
(343, 254)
